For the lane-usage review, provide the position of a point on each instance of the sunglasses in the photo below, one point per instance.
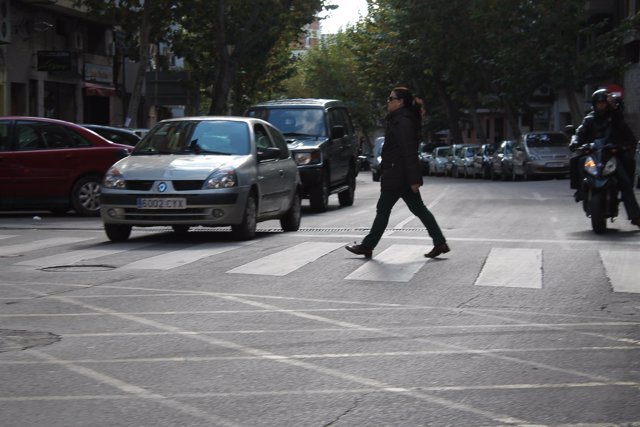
(391, 98)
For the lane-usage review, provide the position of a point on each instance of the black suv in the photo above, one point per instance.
(322, 140)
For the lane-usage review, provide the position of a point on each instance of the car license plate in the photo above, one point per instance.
(556, 165)
(158, 203)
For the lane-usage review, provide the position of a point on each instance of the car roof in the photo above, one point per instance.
(301, 102)
(248, 120)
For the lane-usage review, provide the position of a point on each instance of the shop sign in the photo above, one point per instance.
(54, 60)
(98, 73)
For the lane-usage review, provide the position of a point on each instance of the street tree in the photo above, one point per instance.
(228, 43)
(143, 22)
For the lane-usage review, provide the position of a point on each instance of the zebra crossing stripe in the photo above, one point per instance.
(169, 260)
(622, 269)
(68, 258)
(6, 236)
(512, 268)
(284, 262)
(397, 263)
(14, 250)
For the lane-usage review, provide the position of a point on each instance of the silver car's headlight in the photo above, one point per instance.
(223, 178)
(308, 158)
(114, 179)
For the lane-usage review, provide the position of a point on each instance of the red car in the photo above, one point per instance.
(54, 165)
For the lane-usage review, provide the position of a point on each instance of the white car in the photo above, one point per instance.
(208, 171)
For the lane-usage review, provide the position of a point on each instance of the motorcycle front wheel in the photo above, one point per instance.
(597, 210)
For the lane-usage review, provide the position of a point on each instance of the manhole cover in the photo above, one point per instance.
(13, 340)
(79, 268)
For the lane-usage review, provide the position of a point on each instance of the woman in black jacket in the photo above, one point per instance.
(401, 174)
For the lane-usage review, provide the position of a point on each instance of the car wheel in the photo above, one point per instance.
(85, 196)
(291, 220)
(319, 197)
(246, 230)
(117, 232)
(180, 229)
(346, 197)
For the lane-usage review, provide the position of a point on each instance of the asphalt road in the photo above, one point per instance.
(530, 320)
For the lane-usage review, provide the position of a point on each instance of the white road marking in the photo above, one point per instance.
(13, 250)
(286, 261)
(67, 258)
(184, 256)
(623, 270)
(512, 267)
(397, 263)
(6, 236)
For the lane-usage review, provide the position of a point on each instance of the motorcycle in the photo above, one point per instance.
(600, 187)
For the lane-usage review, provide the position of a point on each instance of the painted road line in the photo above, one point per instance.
(513, 268)
(289, 260)
(622, 269)
(184, 256)
(14, 250)
(397, 263)
(68, 258)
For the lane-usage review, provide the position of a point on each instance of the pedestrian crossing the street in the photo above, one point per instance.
(500, 267)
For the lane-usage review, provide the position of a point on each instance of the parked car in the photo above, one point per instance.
(541, 153)
(322, 139)
(53, 165)
(439, 161)
(465, 162)
(425, 154)
(482, 161)
(376, 158)
(210, 171)
(456, 162)
(114, 134)
(501, 161)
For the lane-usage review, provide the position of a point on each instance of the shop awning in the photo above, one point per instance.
(94, 89)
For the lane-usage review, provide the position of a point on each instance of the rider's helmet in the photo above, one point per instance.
(599, 96)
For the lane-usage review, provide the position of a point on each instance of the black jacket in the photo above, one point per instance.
(608, 124)
(400, 163)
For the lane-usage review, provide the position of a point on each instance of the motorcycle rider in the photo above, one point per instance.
(606, 120)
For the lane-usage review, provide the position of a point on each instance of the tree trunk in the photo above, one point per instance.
(131, 119)
(576, 112)
(511, 119)
(224, 67)
(455, 133)
(482, 136)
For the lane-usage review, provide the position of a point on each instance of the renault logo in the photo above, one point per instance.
(162, 187)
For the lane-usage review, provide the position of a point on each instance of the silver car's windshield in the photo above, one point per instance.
(197, 137)
(294, 121)
(547, 140)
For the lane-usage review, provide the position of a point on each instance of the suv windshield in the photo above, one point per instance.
(198, 137)
(294, 121)
(547, 140)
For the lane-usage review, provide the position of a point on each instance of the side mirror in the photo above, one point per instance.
(269, 153)
(337, 132)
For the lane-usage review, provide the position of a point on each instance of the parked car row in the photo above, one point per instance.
(534, 154)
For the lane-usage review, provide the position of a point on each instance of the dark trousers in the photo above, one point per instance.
(415, 204)
(626, 188)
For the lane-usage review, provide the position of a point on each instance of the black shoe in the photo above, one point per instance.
(359, 250)
(442, 248)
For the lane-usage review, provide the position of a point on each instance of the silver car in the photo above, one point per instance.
(209, 171)
(541, 153)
